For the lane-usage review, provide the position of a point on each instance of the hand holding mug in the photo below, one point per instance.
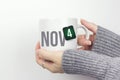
(52, 60)
(81, 40)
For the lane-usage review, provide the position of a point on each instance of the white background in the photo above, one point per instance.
(19, 32)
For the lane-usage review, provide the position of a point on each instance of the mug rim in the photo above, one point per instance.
(48, 19)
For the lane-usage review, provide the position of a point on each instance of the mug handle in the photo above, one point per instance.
(86, 32)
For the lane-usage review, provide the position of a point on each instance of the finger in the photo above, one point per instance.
(81, 36)
(83, 41)
(91, 26)
(37, 46)
(46, 55)
(38, 59)
(49, 66)
(91, 38)
(82, 48)
(45, 64)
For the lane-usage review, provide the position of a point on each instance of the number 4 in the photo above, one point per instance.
(69, 33)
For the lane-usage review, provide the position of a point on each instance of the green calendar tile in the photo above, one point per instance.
(69, 32)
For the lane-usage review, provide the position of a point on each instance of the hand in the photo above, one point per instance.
(51, 60)
(87, 44)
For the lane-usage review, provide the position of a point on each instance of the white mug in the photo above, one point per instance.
(52, 36)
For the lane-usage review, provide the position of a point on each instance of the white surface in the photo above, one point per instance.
(19, 32)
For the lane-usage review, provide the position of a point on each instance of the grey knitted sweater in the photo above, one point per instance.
(102, 62)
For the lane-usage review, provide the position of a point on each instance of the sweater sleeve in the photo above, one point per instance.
(91, 64)
(106, 42)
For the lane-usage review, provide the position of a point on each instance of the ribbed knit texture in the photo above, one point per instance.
(91, 64)
(103, 62)
(85, 63)
(107, 43)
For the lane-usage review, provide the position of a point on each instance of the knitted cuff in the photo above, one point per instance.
(85, 63)
(106, 42)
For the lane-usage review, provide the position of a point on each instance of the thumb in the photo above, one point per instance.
(90, 26)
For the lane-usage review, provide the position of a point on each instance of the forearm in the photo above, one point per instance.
(90, 63)
(106, 42)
